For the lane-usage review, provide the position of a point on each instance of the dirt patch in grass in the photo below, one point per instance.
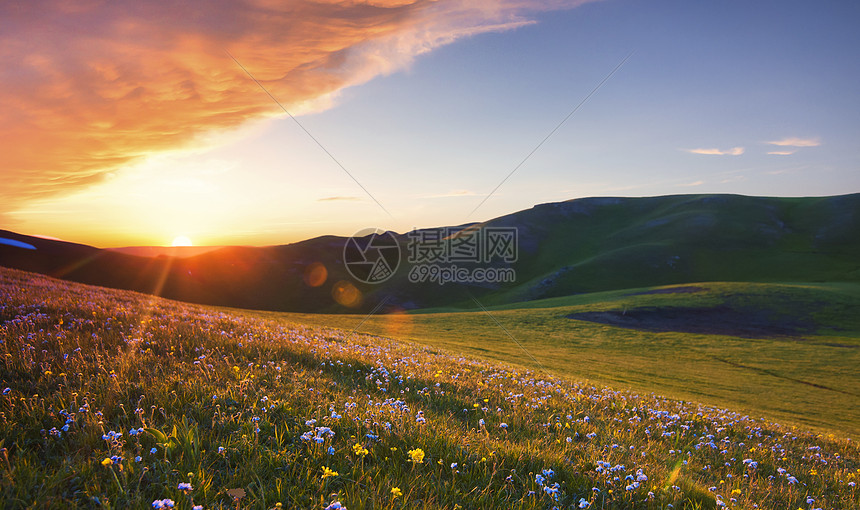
(720, 320)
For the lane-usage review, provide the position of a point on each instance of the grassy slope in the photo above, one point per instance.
(812, 380)
(223, 400)
(590, 245)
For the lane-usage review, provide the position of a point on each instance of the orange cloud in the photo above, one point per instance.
(87, 87)
(734, 151)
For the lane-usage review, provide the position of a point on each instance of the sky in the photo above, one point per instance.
(262, 122)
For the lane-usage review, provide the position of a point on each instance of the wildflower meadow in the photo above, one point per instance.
(114, 399)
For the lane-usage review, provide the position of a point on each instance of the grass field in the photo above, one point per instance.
(810, 378)
(119, 400)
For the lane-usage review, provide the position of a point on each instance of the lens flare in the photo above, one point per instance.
(346, 294)
(315, 274)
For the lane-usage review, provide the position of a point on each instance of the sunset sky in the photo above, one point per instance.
(128, 123)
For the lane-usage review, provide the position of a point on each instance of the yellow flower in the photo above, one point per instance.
(328, 472)
(359, 450)
(813, 472)
(396, 492)
(107, 462)
(416, 456)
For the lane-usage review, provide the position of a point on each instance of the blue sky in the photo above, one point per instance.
(756, 98)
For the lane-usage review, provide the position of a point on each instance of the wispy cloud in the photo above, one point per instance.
(692, 184)
(454, 193)
(796, 142)
(734, 151)
(781, 153)
(112, 82)
(338, 199)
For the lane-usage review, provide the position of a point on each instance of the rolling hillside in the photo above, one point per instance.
(566, 248)
(113, 399)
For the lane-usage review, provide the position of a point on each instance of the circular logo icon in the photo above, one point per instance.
(371, 255)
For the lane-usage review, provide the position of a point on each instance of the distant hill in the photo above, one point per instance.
(576, 246)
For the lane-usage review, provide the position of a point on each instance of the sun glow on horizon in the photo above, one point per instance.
(181, 241)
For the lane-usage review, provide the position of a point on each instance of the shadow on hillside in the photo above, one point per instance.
(720, 320)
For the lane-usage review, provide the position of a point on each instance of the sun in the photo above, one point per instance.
(181, 241)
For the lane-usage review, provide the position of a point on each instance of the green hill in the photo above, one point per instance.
(566, 248)
(591, 245)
